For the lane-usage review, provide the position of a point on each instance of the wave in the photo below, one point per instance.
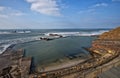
(4, 44)
(19, 40)
(63, 33)
(81, 33)
(5, 32)
(22, 31)
(4, 47)
(13, 32)
(93, 33)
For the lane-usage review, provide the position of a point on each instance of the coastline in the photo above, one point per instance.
(105, 53)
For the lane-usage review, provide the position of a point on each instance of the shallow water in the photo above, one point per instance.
(48, 51)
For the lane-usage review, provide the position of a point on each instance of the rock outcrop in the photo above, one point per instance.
(107, 42)
(113, 34)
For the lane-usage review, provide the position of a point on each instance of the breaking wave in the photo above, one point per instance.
(4, 47)
(13, 32)
(92, 33)
(5, 32)
(4, 44)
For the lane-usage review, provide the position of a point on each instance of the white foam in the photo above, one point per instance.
(92, 33)
(23, 31)
(77, 33)
(12, 32)
(63, 33)
(20, 40)
(5, 46)
(5, 32)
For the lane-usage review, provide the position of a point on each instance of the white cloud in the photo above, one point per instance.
(17, 13)
(92, 9)
(2, 8)
(100, 5)
(7, 12)
(47, 7)
(3, 16)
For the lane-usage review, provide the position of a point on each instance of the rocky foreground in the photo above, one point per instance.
(13, 64)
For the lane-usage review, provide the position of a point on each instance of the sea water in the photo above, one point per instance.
(45, 52)
(48, 51)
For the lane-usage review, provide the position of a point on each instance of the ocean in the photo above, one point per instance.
(45, 52)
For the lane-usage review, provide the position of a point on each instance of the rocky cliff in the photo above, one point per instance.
(113, 34)
(107, 42)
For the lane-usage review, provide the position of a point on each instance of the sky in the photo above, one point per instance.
(59, 14)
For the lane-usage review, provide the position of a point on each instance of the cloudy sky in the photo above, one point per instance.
(53, 14)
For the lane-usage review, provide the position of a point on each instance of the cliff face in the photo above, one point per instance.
(108, 42)
(113, 34)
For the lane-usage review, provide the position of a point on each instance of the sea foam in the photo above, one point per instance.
(81, 33)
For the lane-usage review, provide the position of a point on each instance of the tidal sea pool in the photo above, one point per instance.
(45, 52)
